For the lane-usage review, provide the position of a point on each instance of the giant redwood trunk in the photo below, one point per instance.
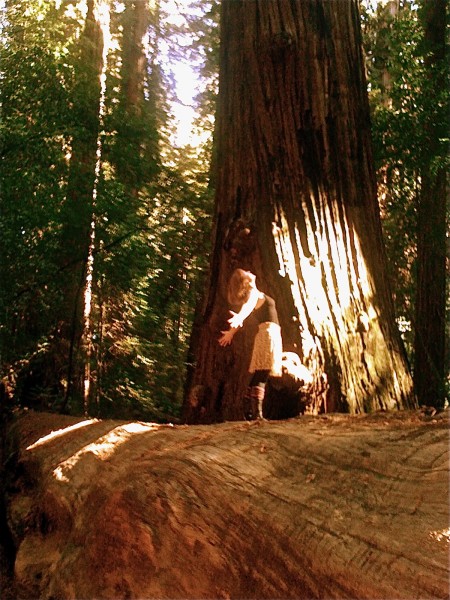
(296, 204)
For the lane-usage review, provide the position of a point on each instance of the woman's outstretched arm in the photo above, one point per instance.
(237, 319)
(246, 310)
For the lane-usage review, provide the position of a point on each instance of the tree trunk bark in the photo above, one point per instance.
(430, 333)
(79, 206)
(130, 127)
(319, 507)
(296, 204)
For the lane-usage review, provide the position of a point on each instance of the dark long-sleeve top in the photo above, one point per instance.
(267, 312)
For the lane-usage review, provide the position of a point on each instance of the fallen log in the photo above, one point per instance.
(336, 506)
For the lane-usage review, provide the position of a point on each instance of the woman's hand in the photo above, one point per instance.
(236, 320)
(226, 338)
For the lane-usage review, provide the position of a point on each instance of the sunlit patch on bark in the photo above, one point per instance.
(60, 432)
(441, 536)
(104, 447)
(333, 293)
(331, 280)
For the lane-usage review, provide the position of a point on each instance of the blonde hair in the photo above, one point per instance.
(239, 287)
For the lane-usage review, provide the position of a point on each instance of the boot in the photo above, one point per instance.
(257, 396)
(249, 413)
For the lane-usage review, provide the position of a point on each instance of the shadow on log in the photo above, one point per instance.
(335, 506)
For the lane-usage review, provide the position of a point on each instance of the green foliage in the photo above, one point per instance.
(205, 27)
(151, 222)
(34, 98)
(141, 337)
(403, 101)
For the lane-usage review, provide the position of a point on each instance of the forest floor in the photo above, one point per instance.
(271, 509)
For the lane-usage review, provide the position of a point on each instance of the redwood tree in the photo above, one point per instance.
(296, 204)
(77, 212)
(430, 334)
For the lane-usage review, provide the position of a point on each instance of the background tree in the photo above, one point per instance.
(296, 204)
(78, 206)
(410, 122)
(430, 333)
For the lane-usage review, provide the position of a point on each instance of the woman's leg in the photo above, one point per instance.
(254, 397)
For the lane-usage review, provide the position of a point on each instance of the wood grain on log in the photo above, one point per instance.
(317, 507)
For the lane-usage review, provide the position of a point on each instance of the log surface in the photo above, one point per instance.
(316, 507)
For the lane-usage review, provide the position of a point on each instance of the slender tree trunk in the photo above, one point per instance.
(87, 340)
(134, 63)
(296, 204)
(134, 60)
(392, 8)
(79, 207)
(429, 362)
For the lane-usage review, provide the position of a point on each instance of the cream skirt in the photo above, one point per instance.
(267, 349)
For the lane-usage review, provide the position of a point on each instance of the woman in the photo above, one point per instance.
(267, 347)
